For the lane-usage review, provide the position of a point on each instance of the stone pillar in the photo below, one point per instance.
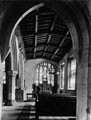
(21, 70)
(82, 85)
(21, 73)
(1, 86)
(89, 89)
(11, 87)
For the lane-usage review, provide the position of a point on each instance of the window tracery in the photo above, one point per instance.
(44, 72)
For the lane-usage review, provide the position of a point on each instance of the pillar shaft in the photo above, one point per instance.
(1, 86)
(21, 70)
(11, 87)
(82, 85)
(89, 88)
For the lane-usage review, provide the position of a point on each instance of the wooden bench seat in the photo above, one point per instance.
(56, 105)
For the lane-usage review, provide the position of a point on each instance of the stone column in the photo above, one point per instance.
(89, 89)
(1, 86)
(21, 73)
(21, 70)
(11, 87)
(82, 85)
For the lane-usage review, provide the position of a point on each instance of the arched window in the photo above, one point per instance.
(62, 75)
(71, 74)
(37, 75)
(44, 72)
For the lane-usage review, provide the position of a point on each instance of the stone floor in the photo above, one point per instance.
(24, 111)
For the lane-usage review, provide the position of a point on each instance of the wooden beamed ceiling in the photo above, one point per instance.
(45, 35)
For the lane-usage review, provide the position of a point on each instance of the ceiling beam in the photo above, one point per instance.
(49, 37)
(27, 37)
(60, 45)
(52, 28)
(36, 29)
(44, 52)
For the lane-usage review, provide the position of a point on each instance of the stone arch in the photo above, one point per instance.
(69, 12)
(64, 11)
(75, 20)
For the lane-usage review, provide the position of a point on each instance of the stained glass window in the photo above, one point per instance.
(52, 80)
(37, 76)
(45, 72)
(4, 73)
(40, 75)
(71, 74)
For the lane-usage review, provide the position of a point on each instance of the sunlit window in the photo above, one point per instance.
(52, 79)
(4, 73)
(40, 74)
(44, 72)
(37, 76)
(62, 76)
(71, 74)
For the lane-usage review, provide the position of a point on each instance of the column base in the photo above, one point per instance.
(11, 103)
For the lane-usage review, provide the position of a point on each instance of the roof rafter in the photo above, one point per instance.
(50, 33)
(36, 29)
(49, 37)
(44, 34)
(60, 45)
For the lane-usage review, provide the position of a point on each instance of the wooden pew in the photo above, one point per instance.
(56, 105)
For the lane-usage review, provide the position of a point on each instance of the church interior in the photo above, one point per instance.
(45, 57)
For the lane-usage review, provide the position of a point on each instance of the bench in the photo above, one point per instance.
(56, 105)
